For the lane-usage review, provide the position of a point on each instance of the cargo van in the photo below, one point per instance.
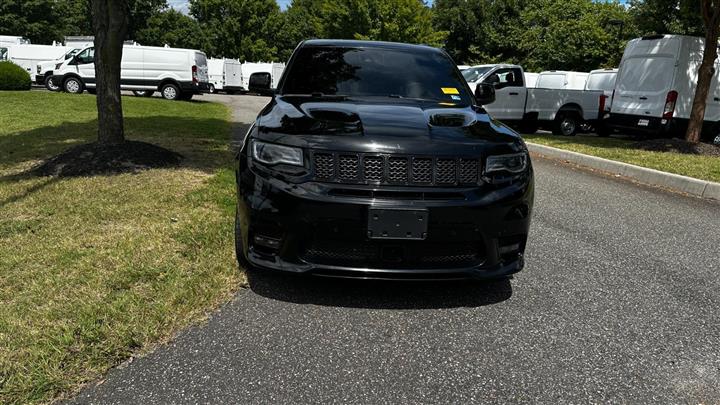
(28, 56)
(44, 70)
(225, 75)
(275, 70)
(531, 79)
(560, 79)
(176, 73)
(603, 80)
(6, 40)
(656, 84)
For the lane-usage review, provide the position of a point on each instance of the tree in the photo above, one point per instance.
(667, 17)
(110, 27)
(568, 34)
(381, 20)
(711, 20)
(39, 20)
(301, 21)
(242, 29)
(173, 28)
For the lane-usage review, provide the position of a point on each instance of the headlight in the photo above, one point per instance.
(272, 154)
(515, 163)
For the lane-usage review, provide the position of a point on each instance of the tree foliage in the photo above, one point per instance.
(242, 29)
(667, 17)
(39, 20)
(173, 28)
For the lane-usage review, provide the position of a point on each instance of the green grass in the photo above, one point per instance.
(96, 269)
(622, 150)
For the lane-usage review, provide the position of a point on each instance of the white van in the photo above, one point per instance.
(531, 79)
(28, 56)
(6, 40)
(225, 75)
(176, 73)
(603, 80)
(560, 79)
(275, 70)
(656, 84)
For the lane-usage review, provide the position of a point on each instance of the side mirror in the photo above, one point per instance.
(260, 83)
(485, 93)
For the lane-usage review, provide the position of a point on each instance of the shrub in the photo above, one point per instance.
(13, 77)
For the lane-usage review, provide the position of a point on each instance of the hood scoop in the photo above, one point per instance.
(444, 118)
(329, 121)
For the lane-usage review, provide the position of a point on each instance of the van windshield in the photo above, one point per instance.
(375, 72)
(601, 81)
(646, 74)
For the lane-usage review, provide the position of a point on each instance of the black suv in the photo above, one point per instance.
(374, 160)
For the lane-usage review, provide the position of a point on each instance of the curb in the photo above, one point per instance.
(689, 185)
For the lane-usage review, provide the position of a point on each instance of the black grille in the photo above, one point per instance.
(324, 166)
(395, 169)
(417, 255)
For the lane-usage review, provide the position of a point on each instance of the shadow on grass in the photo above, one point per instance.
(202, 142)
(378, 294)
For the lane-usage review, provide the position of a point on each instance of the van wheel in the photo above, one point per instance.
(170, 92)
(50, 84)
(212, 89)
(73, 85)
(566, 124)
(143, 93)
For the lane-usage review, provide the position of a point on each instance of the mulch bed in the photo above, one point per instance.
(95, 159)
(678, 146)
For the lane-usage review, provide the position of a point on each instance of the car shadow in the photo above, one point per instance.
(376, 294)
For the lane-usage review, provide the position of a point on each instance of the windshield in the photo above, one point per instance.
(375, 72)
(473, 74)
(71, 53)
(3, 53)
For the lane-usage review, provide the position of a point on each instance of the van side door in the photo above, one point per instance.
(510, 94)
(85, 64)
(131, 67)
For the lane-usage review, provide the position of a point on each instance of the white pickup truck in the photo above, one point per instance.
(528, 109)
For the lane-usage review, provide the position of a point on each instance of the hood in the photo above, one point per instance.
(392, 125)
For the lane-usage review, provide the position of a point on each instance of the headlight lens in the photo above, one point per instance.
(272, 154)
(515, 163)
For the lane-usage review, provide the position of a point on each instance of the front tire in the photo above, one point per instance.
(50, 84)
(73, 85)
(170, 92)
(212, 89)
(566, 124)
(143, 93)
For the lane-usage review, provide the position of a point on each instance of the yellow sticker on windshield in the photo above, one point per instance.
(449, 90)
(448, 104)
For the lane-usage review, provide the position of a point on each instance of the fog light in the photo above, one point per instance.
(267, 242)
(509, 248)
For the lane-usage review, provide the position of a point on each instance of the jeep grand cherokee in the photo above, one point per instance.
(374, 160)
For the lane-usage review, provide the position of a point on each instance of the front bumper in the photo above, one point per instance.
(316, 230)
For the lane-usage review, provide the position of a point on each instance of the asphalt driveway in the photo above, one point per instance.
(619, 302)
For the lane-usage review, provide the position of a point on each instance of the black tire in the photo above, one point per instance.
(239, 251)
(603, 131)
(528, 127)
(143, 93)
(50, 84)
(73, 85)
(212, 89)
(170, 91)
(566, 123)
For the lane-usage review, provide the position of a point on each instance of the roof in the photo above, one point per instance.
(351, 43)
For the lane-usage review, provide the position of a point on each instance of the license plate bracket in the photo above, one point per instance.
(407, 224)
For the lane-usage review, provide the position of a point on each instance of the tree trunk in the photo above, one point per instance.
(110, 24)
(711, 17)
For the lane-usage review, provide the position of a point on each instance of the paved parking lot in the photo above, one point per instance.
(618, 303)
